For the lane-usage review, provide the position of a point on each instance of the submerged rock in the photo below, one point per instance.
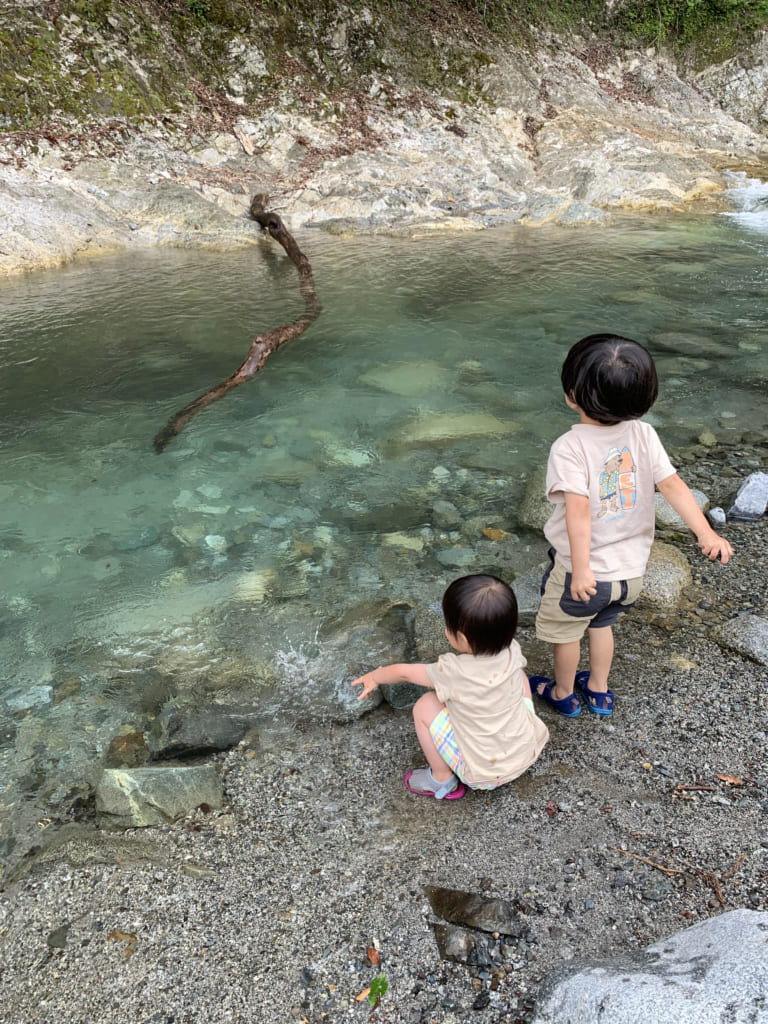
(447, 429)
(182, 731)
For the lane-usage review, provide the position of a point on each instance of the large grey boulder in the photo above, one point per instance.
(714, 972)
(154, 796)
(534, 509)
(666, 577)
(666, 517)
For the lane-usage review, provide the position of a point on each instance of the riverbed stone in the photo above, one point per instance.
(667, 519)
(154, 796)
(458, 557)
(475, 911)
(527, 588)
(185, 730)
(429, 633)
(127, 748)
(667, 576)
(713, 972)
(534, 509)
(463, 945)
(448, 428)
(751, 499)
(747, 634)
(409, 380)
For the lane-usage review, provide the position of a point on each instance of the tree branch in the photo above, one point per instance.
(263, 345)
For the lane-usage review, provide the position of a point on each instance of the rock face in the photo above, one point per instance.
(713, 972)
(566, 133)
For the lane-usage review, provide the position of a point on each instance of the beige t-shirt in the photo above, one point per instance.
(498, 736)
(617, 468)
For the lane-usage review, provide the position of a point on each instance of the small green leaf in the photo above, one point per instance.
(379, 986)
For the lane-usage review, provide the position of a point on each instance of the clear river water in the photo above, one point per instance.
(362, 464)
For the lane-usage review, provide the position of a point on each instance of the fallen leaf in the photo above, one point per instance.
(131, 941)
(374, 959)
(731, 780)
(551, 808)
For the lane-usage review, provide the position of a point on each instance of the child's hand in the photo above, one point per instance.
(583, 585)
(713, 545)
(368, 684)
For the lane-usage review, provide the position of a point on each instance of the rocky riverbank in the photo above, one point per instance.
(564, 131)
(285, 903)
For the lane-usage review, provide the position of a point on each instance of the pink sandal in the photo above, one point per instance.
(420, 782)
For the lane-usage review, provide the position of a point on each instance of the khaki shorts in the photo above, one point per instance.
(561, 619)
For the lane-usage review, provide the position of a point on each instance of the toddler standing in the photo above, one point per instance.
(601, 477)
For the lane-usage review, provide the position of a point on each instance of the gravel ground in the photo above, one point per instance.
(277, 908)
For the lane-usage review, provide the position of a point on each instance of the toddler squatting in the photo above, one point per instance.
(476, 723)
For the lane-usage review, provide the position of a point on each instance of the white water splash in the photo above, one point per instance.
(750, 199)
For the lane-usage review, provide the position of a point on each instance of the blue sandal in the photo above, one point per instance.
(568, 706)
(598, 703)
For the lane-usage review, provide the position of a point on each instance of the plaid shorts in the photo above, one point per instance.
(442, 733)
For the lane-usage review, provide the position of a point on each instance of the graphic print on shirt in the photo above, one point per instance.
(618, 491)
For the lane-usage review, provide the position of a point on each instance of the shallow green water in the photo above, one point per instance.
(276, 506)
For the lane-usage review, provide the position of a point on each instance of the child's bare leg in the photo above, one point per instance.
(425, 711)
(600, 657)
(566, 662)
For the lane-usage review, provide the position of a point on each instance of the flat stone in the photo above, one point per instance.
(458, 558)
(410, 379)
(475, 911)
(715, 971)
(447, 428)
(155, 796)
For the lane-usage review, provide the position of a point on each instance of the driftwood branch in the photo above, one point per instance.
(263, 345)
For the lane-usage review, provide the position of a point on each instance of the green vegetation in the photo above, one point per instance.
(87, 59)
(379, 987)
(681, 22)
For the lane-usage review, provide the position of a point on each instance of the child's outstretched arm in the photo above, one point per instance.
(387, 674)
(680, 497)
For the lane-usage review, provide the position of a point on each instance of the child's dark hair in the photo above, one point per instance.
(484, 609)
(610, 378)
